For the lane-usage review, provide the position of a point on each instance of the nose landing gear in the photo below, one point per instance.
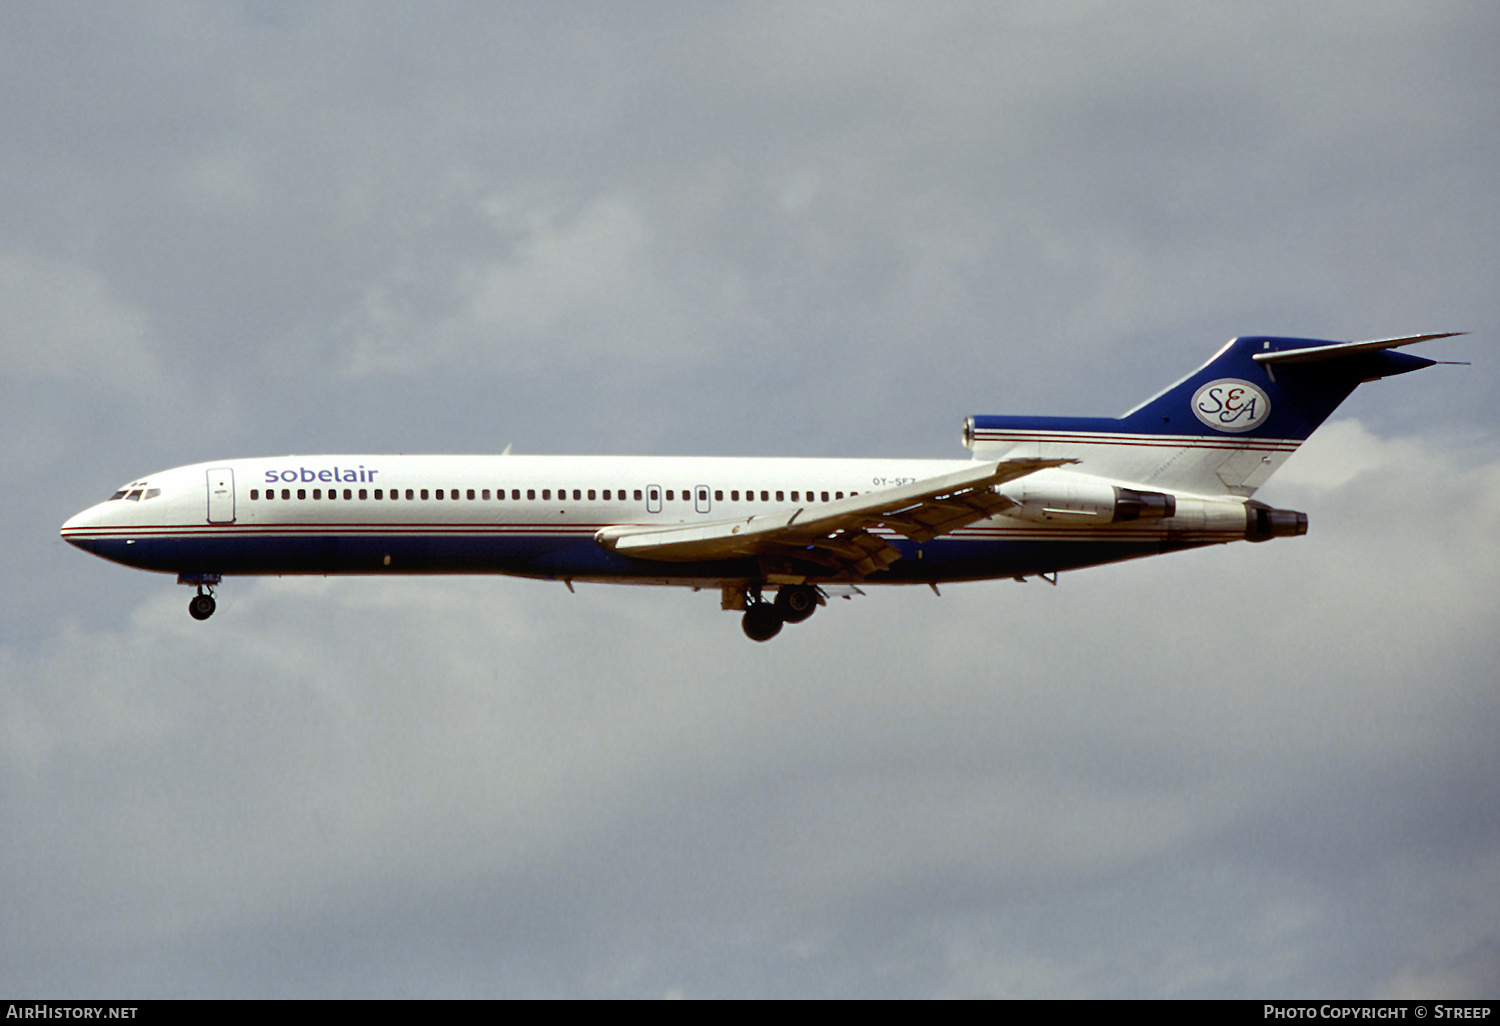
(202, 605)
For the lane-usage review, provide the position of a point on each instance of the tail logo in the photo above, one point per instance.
(1230, 404)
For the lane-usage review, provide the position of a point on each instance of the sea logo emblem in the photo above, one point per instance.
(1230, 404)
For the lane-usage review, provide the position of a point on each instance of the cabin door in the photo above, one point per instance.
(221, 495)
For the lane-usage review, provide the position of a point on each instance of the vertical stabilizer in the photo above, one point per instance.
(1224, 429)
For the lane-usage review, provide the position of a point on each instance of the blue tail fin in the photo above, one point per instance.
(1223, 429)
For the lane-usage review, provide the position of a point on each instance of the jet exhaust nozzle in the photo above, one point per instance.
(1262, 523)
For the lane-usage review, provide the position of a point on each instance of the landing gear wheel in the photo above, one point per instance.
(201, 607)
(762, 622)
(796, 602)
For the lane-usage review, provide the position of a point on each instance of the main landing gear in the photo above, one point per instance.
(761, 622)
(794, 603)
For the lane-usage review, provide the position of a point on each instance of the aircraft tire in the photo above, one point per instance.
(762, 622)
(796, 602)
(201, 607)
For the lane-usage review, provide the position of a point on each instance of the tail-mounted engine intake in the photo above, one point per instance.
(1262, 523)
(1085, 500)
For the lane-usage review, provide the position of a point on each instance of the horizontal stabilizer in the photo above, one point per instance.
(1314, 354)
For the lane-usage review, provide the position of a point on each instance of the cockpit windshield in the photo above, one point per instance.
(135, 492)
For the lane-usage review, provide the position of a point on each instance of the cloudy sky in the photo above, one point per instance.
(254, 228)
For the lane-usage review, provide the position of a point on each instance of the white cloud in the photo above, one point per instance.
(1471, 975)
(225, 180)
(65, 320)
(1344, 449)
(587, 286)
(594, 264)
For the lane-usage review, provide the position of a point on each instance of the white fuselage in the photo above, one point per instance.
(537, 516)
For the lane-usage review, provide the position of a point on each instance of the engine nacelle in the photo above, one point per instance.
(1084, 500)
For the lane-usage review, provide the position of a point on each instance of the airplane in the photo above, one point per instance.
(776, 537)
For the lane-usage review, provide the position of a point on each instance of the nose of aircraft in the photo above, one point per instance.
(73, 528)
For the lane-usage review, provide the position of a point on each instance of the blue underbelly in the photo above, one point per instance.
(573, 556)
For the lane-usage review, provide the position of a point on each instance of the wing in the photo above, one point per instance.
(835, 537)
